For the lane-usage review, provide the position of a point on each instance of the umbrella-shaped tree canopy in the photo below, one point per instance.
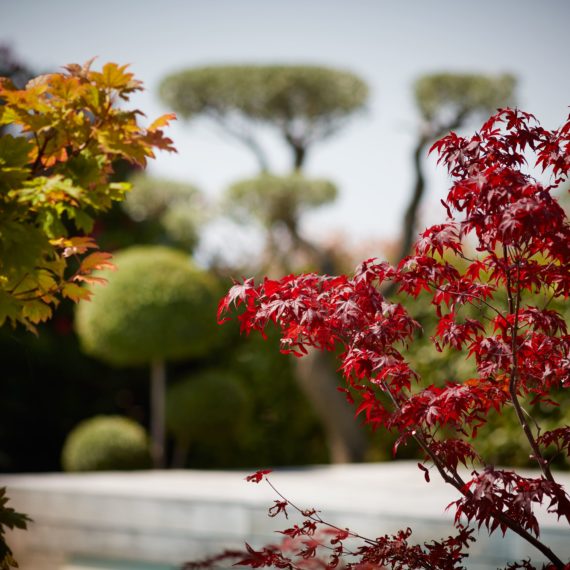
(454, 97)
(303, 103)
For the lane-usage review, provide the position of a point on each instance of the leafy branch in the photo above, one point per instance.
(522, 238)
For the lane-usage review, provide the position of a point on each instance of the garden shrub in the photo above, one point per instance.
(106, 443)
(209, 406)
(157, 306)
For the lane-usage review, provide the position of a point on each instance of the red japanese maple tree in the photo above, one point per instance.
(493, 304)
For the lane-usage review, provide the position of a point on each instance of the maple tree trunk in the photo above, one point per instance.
(157, 399)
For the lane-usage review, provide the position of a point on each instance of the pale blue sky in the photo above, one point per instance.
(388, 43)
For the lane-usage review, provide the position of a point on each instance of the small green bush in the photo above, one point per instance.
(207, 406)
(106, 443)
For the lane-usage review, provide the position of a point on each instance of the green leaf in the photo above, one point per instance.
(51, 224)
(84, 169)
(83, 221)
(36, 311)
(8, 516)
(14, 151)
(11, 519)
(9, 307)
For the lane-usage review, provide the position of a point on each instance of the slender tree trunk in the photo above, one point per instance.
(247, 139)
(253, 145)
(431, 133)
(410, 221)
(299, 155)
(180, 454)
(319, 381)
(157, 402)
(299, 149)
(411, 215)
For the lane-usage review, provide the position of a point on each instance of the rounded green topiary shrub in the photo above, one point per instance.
(156, 306)
(106, 443)
(206, 406)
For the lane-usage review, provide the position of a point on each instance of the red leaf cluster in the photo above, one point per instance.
(257, 476)
(487, 307)
(512, 496)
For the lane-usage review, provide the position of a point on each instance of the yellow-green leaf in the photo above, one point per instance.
(36, 311)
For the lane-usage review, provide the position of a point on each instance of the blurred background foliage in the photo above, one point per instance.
(237, 402)
(173, 212)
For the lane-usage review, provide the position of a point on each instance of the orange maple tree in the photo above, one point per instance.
(64, 132)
